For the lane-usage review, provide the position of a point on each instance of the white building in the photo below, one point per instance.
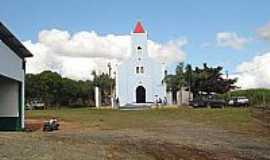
(12, 71)
(139, 78)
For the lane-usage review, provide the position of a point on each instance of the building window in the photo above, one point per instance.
(139, 49)
(165, 72)
(137, 70)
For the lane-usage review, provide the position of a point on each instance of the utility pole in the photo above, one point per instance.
(227, 77)
(111, 84)
(110, 68)
(189, 85)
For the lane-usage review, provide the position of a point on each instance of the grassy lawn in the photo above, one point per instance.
(234, 119)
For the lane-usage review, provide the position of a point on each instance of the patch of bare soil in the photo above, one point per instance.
(262, 116)
(182, 140)
(32, 125)
(159, 150)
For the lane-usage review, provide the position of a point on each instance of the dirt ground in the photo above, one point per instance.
(172, 141)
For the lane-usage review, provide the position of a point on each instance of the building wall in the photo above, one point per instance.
(128, 80)
(183, 97)
(10, 118)
(10, 63)
(11, 89)
(186, 97)
(9, 98)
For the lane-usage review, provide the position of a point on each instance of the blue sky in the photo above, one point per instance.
(198, 21)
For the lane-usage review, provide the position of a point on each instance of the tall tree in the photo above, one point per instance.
(51, 87)
(208, 80)
(106, 85)
(55, 90)
(176, 82)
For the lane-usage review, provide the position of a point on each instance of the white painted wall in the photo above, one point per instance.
(127, 80)
(9, 93)
(11, 66)
(10, 63)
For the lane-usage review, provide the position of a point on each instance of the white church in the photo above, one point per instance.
(139, 78)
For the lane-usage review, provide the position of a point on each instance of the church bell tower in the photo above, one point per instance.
(139, 41)
(139, 78)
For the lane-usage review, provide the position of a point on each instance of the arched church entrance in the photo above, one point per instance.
(140, 94)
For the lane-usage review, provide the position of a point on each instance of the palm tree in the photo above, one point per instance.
(175, 82)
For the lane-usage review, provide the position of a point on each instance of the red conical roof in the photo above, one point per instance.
(138, 28)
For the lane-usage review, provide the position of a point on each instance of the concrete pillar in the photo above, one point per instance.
(97, 97)
(112, 102)
(169, 98)
(179, 98)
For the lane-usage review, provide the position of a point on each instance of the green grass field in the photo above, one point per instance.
(235, 119)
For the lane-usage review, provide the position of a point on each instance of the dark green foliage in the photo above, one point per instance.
(210, 79)
(55, 90)
(206, 79)
(106, 85)
(175, 82)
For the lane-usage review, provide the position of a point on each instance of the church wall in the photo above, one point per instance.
(151, 80)
(139, 40)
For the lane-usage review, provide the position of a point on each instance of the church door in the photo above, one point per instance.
(140, 94)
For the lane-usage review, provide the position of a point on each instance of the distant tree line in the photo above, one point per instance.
(199, 80)
(55, 90)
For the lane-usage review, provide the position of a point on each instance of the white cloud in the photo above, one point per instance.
(77, 55)
(254, 73)
(264, 32)
(171, 51)
(231, 40)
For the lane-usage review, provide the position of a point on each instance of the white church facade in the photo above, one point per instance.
(139, 79)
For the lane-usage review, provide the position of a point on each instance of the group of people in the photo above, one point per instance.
(159, 101)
